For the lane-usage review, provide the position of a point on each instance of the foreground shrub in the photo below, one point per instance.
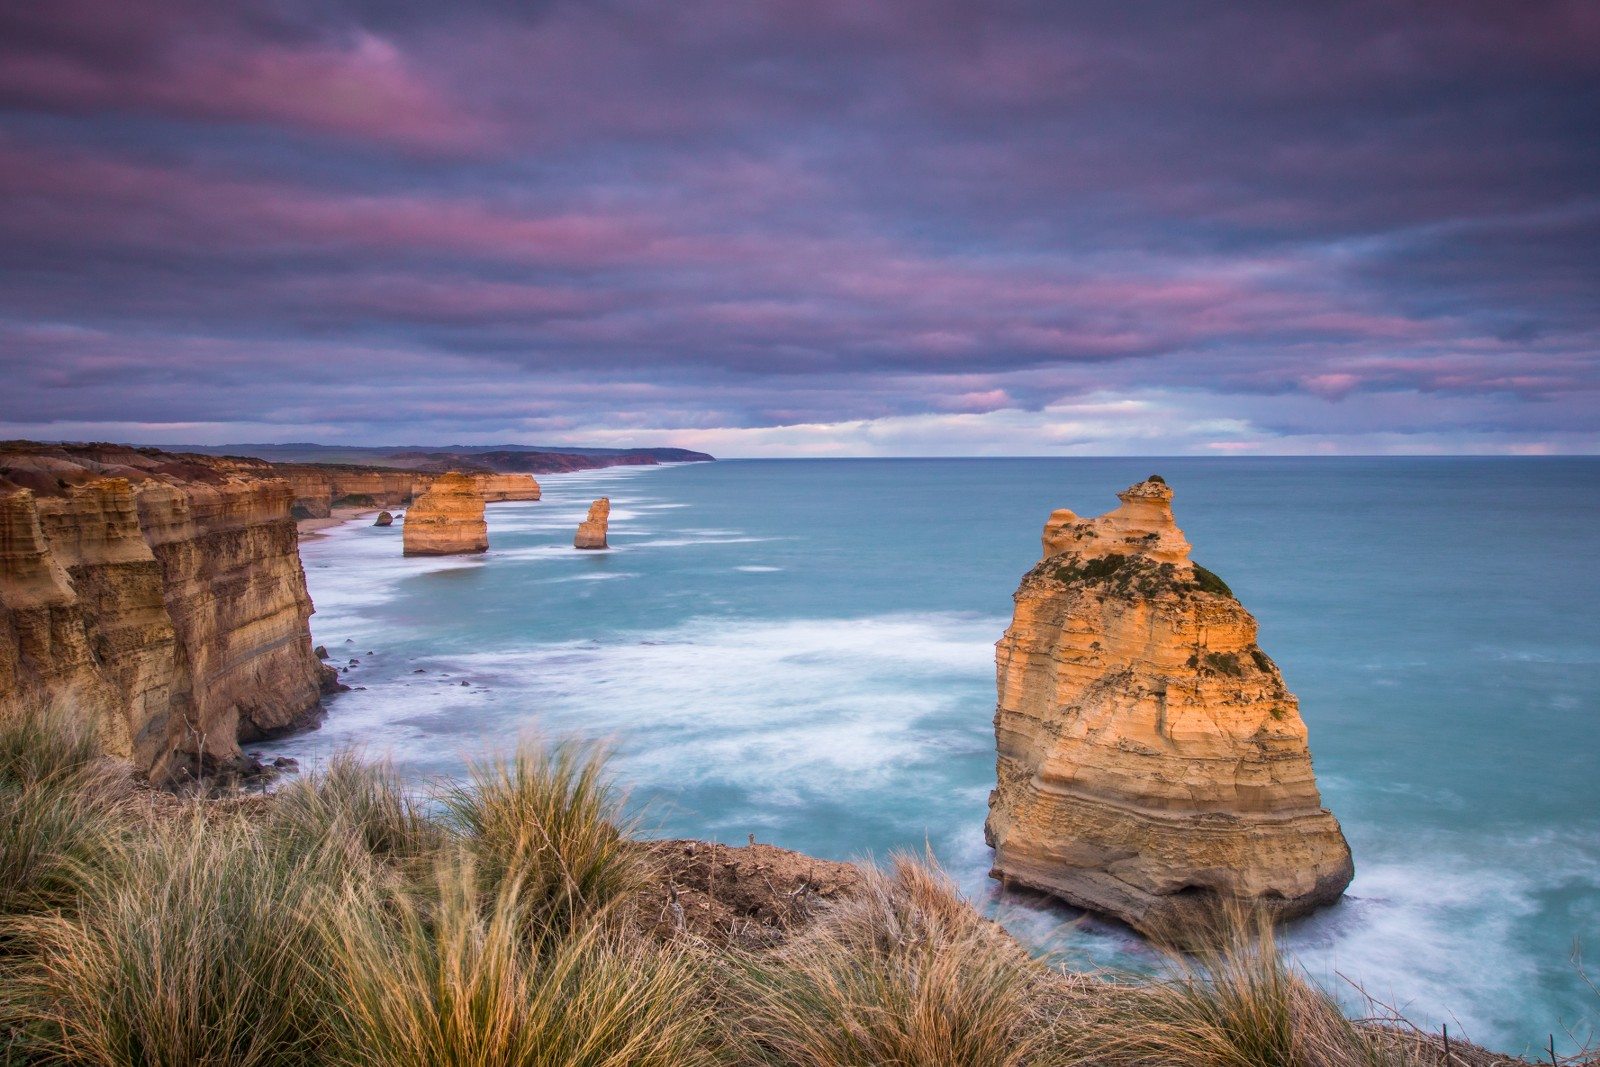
(45, 744)
(364, 804)
(1233, 1000)
(546, 819)
(906, 974)
(200, 945)
(57, 812)
(468, 985)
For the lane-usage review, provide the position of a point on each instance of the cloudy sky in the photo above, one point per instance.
(804, 227)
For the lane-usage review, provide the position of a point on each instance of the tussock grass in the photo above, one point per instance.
(547, 819)
(200, 944)
(361, 802)
(905, 974)
(468, 985)
(1231, 999)
(57, 812)
(349, 923)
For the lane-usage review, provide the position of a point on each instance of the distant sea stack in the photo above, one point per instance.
(592, 530)
(448, 519)
(1152, 763)
(158, 596)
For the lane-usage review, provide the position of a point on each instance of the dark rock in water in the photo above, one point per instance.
(330, 681)
(355, 663)
(384, 519)
(286, 763)
(420, 670)
(465, 682)
(322, 651)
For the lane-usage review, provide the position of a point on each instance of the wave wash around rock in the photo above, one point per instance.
(1152, 763)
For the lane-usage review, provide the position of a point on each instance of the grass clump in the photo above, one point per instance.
(57, 811)
(365, 804)
(1230, 999)
(201, 944)
(906, 973)
(547, 818)
(467, 984)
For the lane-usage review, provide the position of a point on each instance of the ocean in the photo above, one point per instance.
(803, 651)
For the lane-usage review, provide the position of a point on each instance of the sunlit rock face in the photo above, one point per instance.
(321, 487)
(495, 488)
(1152, 763)
(448, 519)
(159, 596)
(592, 530)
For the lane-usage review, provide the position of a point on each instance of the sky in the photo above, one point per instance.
(804, 227)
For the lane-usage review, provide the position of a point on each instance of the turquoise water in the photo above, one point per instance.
(803, 650)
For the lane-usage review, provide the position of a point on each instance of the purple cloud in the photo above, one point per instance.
(715, 218)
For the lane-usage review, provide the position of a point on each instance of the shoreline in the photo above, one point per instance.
(313, 529)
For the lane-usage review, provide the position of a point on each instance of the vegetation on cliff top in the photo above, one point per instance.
(345, 921)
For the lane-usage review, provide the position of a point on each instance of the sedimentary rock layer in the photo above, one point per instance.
(321, 487)
(448, 519)
(1151, 760)
(592, 530)
(159, 596)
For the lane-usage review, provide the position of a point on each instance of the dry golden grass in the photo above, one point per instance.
(344, 924)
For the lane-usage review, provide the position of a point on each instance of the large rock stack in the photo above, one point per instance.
(448, 519)
(1152, 764)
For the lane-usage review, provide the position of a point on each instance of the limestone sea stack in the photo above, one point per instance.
(1152, 763)
(592, 530)
(384, 519)
(448, 519)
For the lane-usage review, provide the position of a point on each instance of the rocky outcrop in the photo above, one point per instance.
(447, 520)
(384, 519)
(158, 596)
(495, 488)
(321, 487)
(1152, 762)
(592, 530)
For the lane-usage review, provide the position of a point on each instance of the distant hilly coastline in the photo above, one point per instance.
(522, 459)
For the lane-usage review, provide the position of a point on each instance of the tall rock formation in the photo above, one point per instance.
(159, 596)
(592, 530)
(1151, 761)
(448, 519)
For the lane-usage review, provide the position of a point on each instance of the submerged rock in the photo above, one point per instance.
(1152, 763)
(448, 519)
(592, 530)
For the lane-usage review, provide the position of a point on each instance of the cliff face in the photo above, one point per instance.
(448, 519)
(1151, 760)
(321, 487)
(592, 530)
(159, 596)
(495, 488)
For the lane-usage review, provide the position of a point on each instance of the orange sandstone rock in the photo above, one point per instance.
(1152, 762)
(158, 596)
(448, 519)
(592, 530)
(500, 487)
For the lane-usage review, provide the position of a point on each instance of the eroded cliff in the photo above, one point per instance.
(1151, 760)
(321, 487)
(159, 596)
